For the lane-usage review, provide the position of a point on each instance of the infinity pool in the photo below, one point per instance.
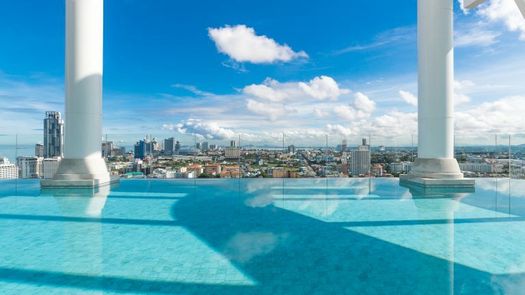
(262, 236)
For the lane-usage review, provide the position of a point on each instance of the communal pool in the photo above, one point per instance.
(262, 236)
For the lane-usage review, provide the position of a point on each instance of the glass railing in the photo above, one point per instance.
(278, 155)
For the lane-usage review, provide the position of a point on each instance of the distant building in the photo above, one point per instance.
(39, 150)
(49, 167)
(377, 170)
(53, 135)
(360, 160)
(213, 169)
(232, 143)
(344, 146)
(477, 167)
(281, 172)
(401, 168)
(232, 153)
(143, 149)
(213, 147)
(107, 149)
(169, 146)
(177, 147)
(7, 170)
(198, 145)
(205, 146)
(291, 149)
(29, 167)
(231, 171)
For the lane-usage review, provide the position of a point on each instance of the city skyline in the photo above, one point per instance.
(307, 82)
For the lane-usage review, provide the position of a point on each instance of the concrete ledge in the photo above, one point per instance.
(431, 185)
(77, 183)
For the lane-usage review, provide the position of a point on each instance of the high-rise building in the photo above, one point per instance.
(177, 147)
(169, 146)
(7, 170)
(291, 149)
(344, 146)
(107, 148)
(232, 143)
(198, 145)
(143, 149)
(39, 150)
(49, 167)
(360, 160)
(29, 167)
(205, 146)
(53, 135)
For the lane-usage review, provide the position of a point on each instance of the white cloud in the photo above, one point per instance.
(506, 12)
(321, 88)
(273, 111)
(270, 90)
(475, 37)
(501, 116)
(242, 44)
(461, 90)
(201, 129)
(361, 108)
(408, 97)
(338, 130)
(396, 36)
(320, 113)
(363, 103)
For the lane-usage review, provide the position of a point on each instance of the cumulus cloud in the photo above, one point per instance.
(339, 130)
(201, 129)
(501, 116)
(408, 97)
(273, 111)
(361, 108)
(321, 88)
(461, 90)
(242, 44)
(505, 12)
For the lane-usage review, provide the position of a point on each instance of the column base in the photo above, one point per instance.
(80, 173)
(443, 173)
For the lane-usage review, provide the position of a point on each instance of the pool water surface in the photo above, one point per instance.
(262, 236)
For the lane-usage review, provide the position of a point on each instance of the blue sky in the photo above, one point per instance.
(216, 69)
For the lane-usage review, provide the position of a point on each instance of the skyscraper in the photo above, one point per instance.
(53, 135)
(177, 147)
(169, 146)
(143, 148)
(205, 146)
(360, 163)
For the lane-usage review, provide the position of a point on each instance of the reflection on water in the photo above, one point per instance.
(321, 236)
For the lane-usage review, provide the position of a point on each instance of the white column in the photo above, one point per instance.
(435, 102)
(83, 164)
(84, 41)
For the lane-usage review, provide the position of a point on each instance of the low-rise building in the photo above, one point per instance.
(7, 170)
(50, 167)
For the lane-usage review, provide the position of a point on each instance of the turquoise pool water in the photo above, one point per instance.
(262, 236)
